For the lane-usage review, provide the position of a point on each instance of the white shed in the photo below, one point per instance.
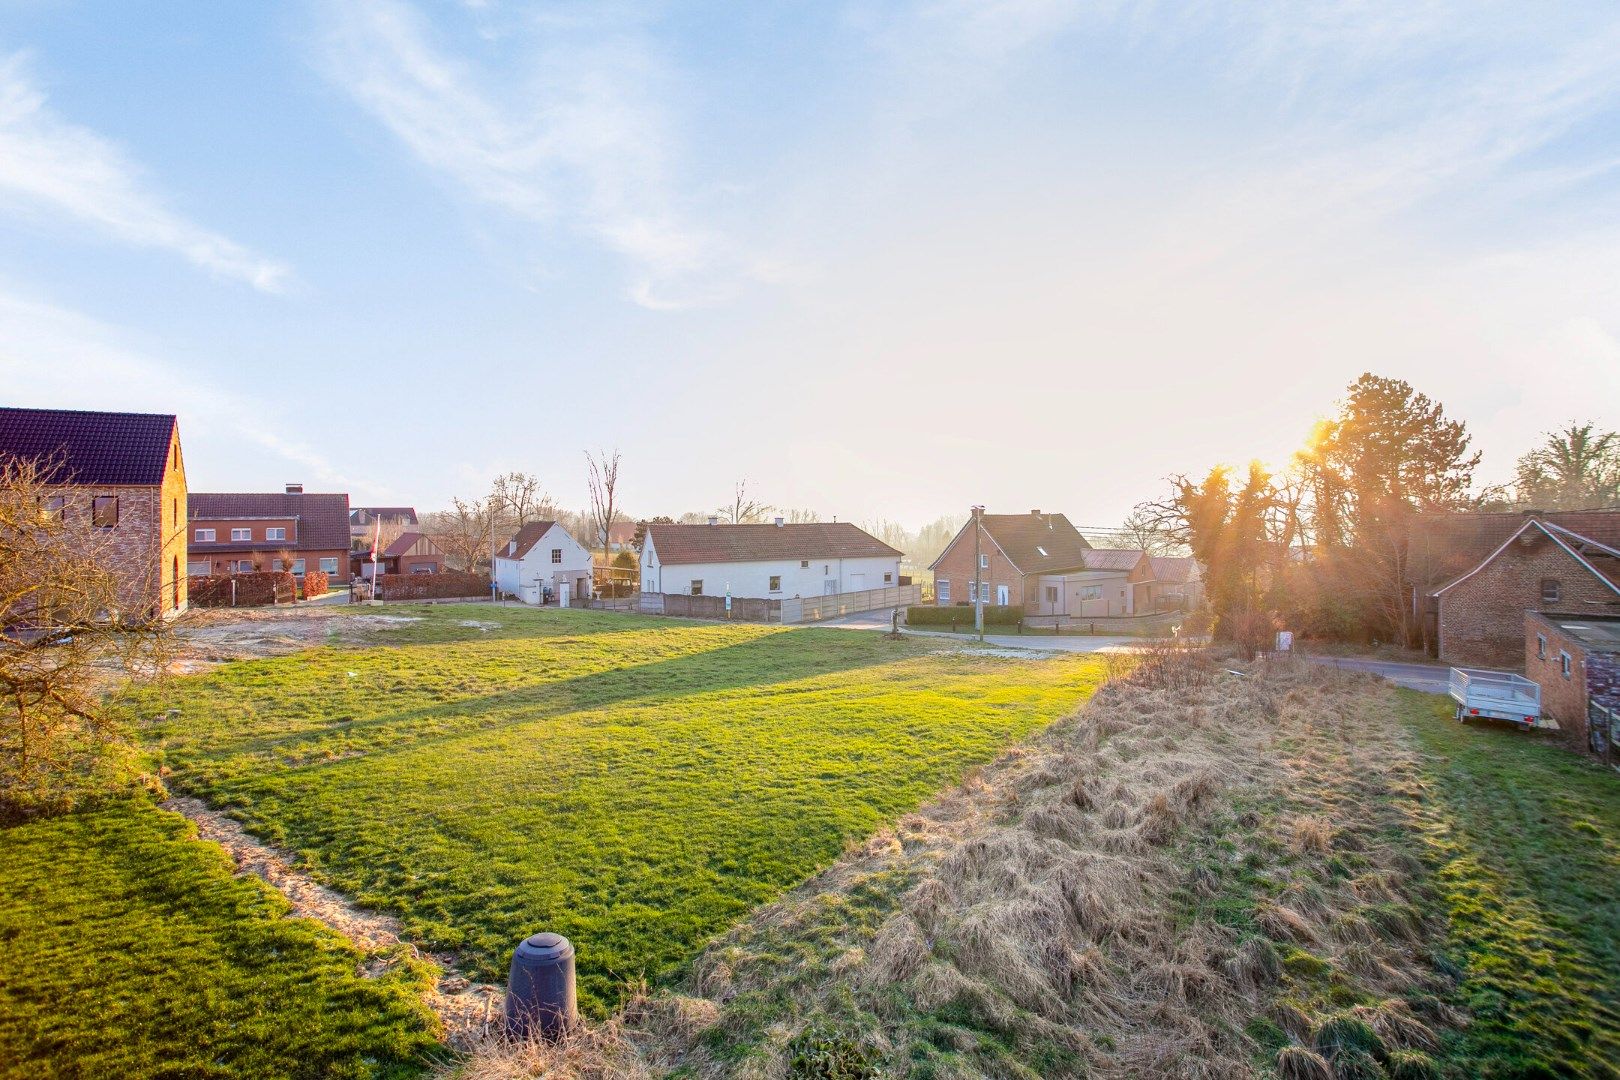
(543, 559)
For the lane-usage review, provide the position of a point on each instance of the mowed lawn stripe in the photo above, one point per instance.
(694, 787)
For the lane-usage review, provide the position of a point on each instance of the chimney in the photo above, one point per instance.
(713, 520)
(1034, 513)
(778, 523)
(295, 489)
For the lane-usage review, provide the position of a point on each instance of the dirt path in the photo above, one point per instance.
(470, 1011)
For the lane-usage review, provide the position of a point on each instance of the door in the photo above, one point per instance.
(1001, 595)
(829, 588)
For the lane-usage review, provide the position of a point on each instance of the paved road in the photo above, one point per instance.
(1430, 678)
(1075, 643)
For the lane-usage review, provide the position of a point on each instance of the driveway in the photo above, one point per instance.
(1430, 678)
(1071, 643)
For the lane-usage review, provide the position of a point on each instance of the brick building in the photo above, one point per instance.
(243, 532)
(1040, 563)
(1540, 566)
(1575, 658)
(409, 553)
(387, 522)
(120, 482)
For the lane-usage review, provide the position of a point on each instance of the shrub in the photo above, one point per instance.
(316, 583)
(448, 585)
(243, 590)
(962, 615)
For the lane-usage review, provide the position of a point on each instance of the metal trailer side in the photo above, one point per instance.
(1495, 695)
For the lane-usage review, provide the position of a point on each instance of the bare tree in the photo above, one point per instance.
(604, 482)
(75, 612)
(517, 498)
(742, 509)
(1145, 530)
(464, 532)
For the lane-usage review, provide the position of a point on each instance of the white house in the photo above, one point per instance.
(772, 562)
(542, 558)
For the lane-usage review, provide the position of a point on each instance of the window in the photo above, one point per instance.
(826, 568)
(804, 564)
(177, 455)
(556, 555)
(888, 577)
(1564, 664)
(197, 569)
(329, 566)
(942, 590)
(776, 583)
(204, 536)
(298, 567)
(244, 566)
(984, 561)
(1550, 592)
(104, 511)
(1091, 592)
(52, 508)
(1052, 595)
(174, 511)
(275, 534)
(1541, 646)
(973, 592)
(697, 586)
(275, 564)
(241, 534)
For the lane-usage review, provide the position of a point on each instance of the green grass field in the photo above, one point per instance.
(1524, 837)
(128, 950)
(635, 784)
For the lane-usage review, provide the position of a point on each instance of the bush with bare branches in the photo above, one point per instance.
(66, 635)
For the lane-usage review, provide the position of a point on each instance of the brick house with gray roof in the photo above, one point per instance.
(241, 532)
(118, 479)
(1039, 562)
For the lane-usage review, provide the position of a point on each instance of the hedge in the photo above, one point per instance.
(250, 590)
(316, 583)
(962, 615)
(446, 586)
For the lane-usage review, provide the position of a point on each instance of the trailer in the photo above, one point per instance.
(1495, 695)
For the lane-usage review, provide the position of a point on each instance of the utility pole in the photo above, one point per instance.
(978, 580)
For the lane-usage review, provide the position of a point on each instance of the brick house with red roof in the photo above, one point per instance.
(123, 476)
(407, 553)
(243, 532)
(1541, 565)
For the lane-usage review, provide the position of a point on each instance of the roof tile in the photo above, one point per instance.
(94, 447)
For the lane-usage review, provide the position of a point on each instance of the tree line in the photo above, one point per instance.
(1323, 546)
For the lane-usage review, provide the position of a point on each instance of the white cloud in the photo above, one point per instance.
(47, 162)
(56, 358)
(584, 137)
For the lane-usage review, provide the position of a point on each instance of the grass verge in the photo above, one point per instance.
(1525, 841)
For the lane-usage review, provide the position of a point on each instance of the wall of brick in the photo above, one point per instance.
(956, 566)
(1481, 620)
(1563, 699)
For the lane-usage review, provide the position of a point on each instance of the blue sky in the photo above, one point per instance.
(882, 260)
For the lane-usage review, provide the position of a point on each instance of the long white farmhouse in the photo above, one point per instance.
(772, 562)
(542, 564)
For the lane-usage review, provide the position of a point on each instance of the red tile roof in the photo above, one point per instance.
(404, 542)
(1113, 559)
(681, 545)
(525, 538)
(323, 519)
(93, 447)
(1175, 569)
